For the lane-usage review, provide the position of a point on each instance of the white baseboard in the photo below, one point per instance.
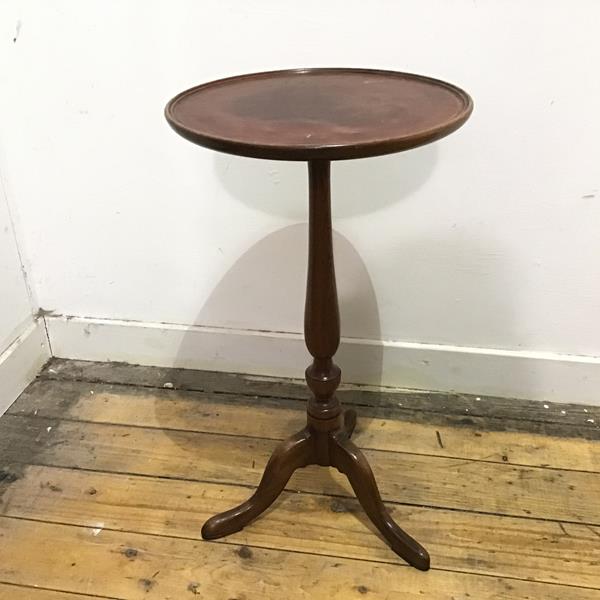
(21, 362)
(519, 374)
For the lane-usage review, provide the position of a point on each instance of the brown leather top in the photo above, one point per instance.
(309, 114)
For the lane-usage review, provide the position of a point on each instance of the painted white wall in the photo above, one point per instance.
(487, 239)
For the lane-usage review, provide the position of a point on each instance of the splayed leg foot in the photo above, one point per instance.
(348, 459)
(291, 454)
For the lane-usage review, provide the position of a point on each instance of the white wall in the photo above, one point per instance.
(488, 239)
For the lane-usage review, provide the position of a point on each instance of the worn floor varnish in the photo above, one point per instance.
(106, 478)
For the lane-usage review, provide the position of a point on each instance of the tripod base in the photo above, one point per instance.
(323, 442)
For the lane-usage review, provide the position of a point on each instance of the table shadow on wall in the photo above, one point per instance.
(264, 289)
(358, 187)
(271, 276)
(442, 279)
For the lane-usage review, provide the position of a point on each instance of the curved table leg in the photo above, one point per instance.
(291, 454)
(348, 459)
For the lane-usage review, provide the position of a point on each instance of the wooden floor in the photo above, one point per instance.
(107, 473)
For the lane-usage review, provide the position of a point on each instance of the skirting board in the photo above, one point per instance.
(22, 361)
(519, 374)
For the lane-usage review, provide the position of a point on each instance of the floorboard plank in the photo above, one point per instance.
(413, 479)
(439, 406)
(483, 544)
(135, 566)
(214, 413)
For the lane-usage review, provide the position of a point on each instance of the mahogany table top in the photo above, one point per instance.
(312, 114)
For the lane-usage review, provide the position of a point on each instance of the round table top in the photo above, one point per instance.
(318, 114)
